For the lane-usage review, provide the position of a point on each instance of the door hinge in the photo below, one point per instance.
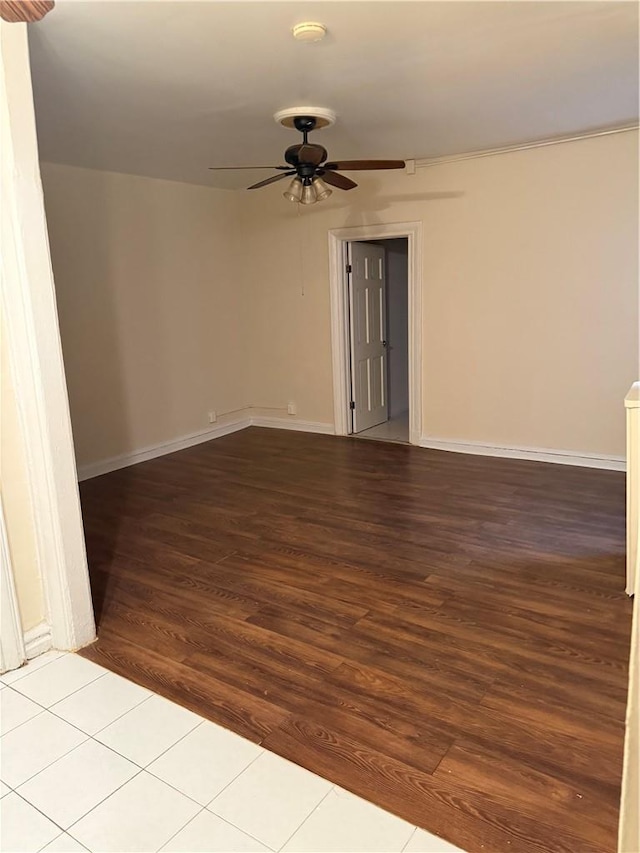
(352, 405)
(349, 268)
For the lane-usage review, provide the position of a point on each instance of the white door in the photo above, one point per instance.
(368, 328)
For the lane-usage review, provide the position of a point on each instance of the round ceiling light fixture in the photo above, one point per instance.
(309, 31)
(323, 116)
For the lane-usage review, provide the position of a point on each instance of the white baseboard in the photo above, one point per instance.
(95, 469)
(291, 423)
(559, 457)
(37, 640)
(535, 454)
(105, 466)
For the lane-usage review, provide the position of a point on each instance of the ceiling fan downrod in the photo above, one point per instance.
(305, 124)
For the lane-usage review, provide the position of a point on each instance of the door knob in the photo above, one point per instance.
(385, 343)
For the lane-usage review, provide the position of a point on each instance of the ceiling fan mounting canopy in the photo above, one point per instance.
(322, 116)
(307, 161)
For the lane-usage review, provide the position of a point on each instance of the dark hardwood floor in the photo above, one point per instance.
(444, 635)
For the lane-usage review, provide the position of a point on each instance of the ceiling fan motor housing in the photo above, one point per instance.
(291, 155)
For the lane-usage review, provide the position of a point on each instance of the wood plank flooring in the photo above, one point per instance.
(445, 635)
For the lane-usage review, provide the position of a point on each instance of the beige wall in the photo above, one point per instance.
(150, 306)
(530, 292)
(16, 501)
(176, 299)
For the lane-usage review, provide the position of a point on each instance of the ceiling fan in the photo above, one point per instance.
(313, 172)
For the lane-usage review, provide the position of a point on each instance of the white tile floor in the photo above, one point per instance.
(91, 761)
(396, 429)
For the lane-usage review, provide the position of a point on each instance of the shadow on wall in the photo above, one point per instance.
(85, 270)
(364, 209)
(115, 247)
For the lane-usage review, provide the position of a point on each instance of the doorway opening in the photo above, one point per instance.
(378, 296)
(376, 325)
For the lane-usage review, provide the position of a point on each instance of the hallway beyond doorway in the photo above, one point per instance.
(395, 429)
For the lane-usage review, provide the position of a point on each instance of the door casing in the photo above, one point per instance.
(341, 361)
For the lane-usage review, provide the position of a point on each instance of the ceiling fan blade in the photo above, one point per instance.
(270, 180)
(353, 165)
(232, 168)
(336, 180)
(313, 154)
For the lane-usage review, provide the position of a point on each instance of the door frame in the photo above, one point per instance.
(338, 284)
(35, 357)
(12, 648)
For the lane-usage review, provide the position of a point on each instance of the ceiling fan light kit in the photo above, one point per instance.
(307, 191)
(308, 161)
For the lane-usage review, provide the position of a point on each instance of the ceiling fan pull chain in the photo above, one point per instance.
(300, 250)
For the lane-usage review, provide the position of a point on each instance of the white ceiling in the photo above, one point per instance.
(166, 89)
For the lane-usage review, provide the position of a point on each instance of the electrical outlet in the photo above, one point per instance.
(291, 409)
(212, 417)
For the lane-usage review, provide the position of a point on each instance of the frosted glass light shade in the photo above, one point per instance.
(322, 190)
(309, 195)
(294, 190)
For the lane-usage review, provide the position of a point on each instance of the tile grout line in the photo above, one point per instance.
(62, 699)
(25, 666)
(139, 770)
(169, 785)
(47, 708)
(77, 746)
(119, 717)
(24, 722)
(181, 738)
(35, 808)
(231, 781)
(178, 831)
(46, 767)
(142, 769)
(64, 832)
(409, 839)
(104, 799)
(148, 772)
(313, 810)
(213, 814)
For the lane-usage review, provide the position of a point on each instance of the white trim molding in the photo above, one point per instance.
(426, 162)
(38, 640)
(35, 354)
(12, 650)
(632, 406)
(535, 454)
(561, 457)
(115, 463)
(296, 425)
(338, 239)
